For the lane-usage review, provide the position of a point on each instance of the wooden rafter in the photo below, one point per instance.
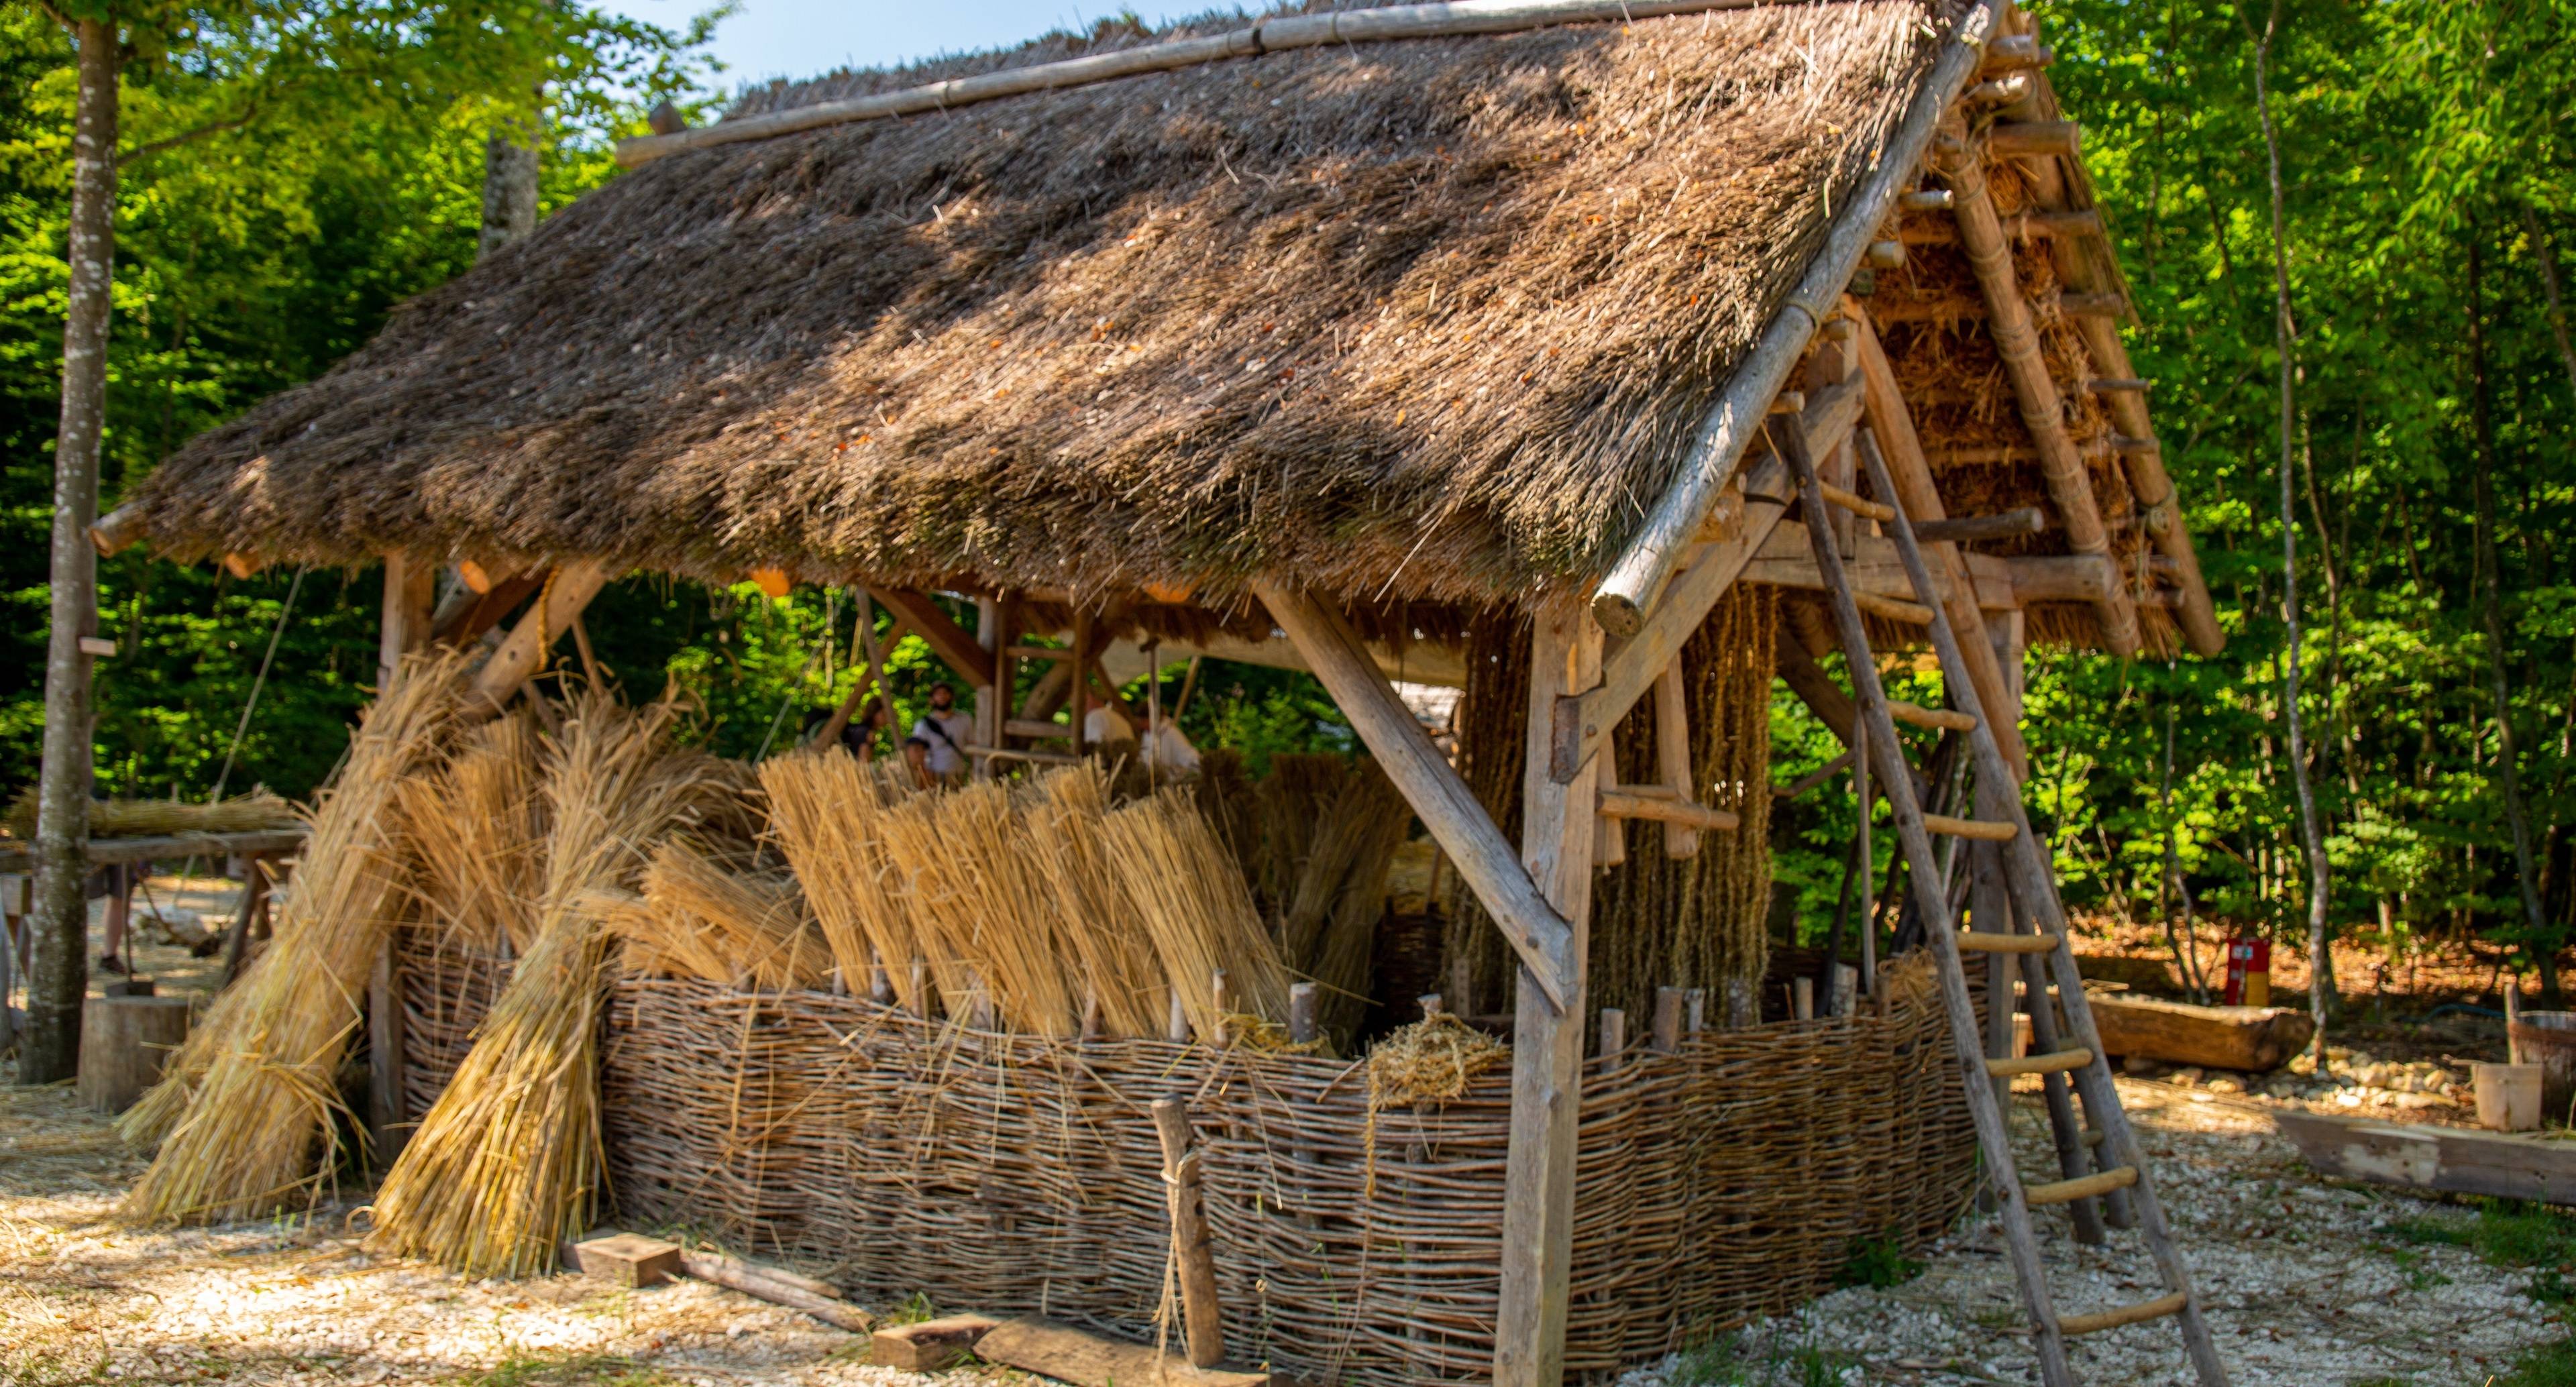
(524, 650)
(955, 646)
(2043, 411)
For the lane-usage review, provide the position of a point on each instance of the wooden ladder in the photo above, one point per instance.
(2105, 1163)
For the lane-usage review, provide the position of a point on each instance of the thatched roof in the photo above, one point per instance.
(1435, 318)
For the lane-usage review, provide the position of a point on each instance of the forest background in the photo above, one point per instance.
(291, 171)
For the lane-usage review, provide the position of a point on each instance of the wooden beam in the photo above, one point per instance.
(523, 652)
(485, 612)
(2029, 226)
(1633, 665)
(1893, 437)
(1635, 582)
(2043, 410)
(955, 646)
(1547, 1040)
(1673, 755)
(2034, 139)
(1625, 803)
(1433, 787)
(117, 530)
(2011, 524)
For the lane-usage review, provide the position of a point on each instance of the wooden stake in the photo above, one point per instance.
(1614, 1036)
(1668, 1019)
(1201, 1316)
(1302, 1003)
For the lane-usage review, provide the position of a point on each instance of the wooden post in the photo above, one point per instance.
(1081, 664)
(988, 695)
(1006, 675)
(387, 1115)
(1302, 1004)
(1673, 757)
(1802, 999)
(1695, 1010)
(1547, 1044)
(1668, 1019)
(1201, 1316)
(524, 651)
(1176, 1025)
(411, 594)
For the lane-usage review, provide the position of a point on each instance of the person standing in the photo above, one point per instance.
(944, 730)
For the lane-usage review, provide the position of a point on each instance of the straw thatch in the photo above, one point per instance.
(1442, 310)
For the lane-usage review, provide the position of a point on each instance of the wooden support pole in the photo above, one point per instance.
(2043, 409)
(1545, 940)
(1673, 756)
(1079, 672)
(1547, 1033)
(524, 651)
(1668, 1019)
(410, 598)
(387, 1118)
(1202, 1318)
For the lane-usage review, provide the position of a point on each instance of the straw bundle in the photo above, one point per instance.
(243, 1104)
(1331, 920)
(1193, 906)
(826, 812)
(699, 918)
(1231, 804)
(152, 818)
(1294, 800)
(506, 1163)
(477, 829)
(1093, 914)
(985, 912)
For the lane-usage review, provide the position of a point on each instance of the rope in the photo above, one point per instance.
(259, 682)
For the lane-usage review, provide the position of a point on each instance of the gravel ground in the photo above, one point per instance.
(2303, 1286)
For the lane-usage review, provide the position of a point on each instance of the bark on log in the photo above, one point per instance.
(124, 1042)
(2246, 1038)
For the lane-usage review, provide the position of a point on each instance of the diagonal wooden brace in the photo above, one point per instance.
(1484, 858)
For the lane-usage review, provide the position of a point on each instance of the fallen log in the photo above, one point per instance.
(2247, 1038)
(2456, 1160)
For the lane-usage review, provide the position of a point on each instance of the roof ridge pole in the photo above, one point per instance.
(1636, 580)
(1376, 25)
(2043, 410)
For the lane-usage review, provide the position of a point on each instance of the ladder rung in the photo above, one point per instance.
(2096, 1137)
(2058, 1062)
(2081, 1187)
(1978, 830)
(2144, 1310)
(1945, 719)
(1666, 808)
(1893, 608)
(1982, 942)
(1856, 504)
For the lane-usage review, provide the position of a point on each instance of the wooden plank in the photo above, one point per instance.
(1458, 822)
(1067, 1354)
(929, 1346)
(21, 857)
(1547, 1041)
(1672, 756)
(627, 1259)
(2455, 1160)
(955, 646)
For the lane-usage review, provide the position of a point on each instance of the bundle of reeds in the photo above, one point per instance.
(984, 911)
(1331, 919)
(247, 1104)
(1119, 971)
(153, 818)
(1192, 904)
(506, 1163)
(477, 828)
(826, 811)
(1231, 803)
(733, 924)
(1294, 799)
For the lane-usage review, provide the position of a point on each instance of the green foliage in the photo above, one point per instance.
(1877, 1262)
(1731, 1361)
(2506, 1233)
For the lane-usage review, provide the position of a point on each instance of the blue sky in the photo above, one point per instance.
(800, 38)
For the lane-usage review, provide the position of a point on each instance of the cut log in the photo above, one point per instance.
(2425, 1157)
(1067, 1354)
(929, 1346)
(778, 1286)
(2246, 1038)
(628, 1259)
(124, 1041)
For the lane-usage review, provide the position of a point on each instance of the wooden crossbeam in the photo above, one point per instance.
(955, 646)
(524, 651)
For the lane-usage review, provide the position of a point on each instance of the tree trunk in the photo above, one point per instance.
(2548, 258)
(2491, 610)
(58, 968)
(2285, 336)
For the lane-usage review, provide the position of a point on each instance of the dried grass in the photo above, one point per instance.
(827, 811)
(1331, 920)
(1192, 904)
(1094, 916)
(507, 1163)
(248, 1104)
(476, 827)
(983, 910)
(698, 917)
(154, 818)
